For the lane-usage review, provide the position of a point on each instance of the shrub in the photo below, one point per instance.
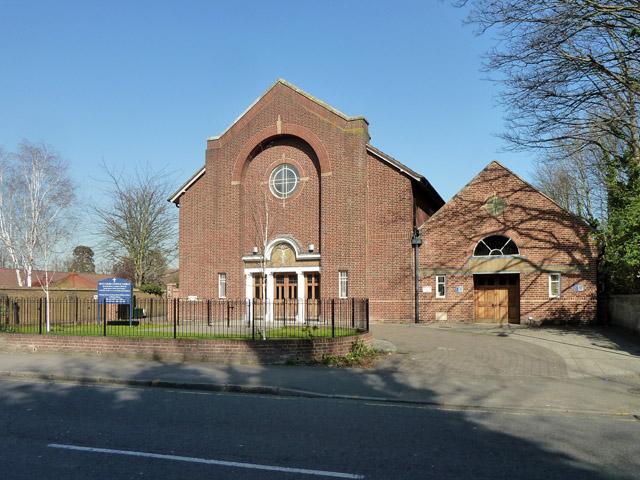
(152, 288)
(360, 355)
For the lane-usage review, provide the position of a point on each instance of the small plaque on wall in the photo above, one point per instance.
(459, 289)
(427, 289)
(579, 288)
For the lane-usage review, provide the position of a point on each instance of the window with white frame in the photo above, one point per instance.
(284, 180)
(441, 286)
(222, 285)
(554, 285)
(343, 284)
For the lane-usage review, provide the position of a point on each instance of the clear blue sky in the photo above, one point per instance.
(146, 82)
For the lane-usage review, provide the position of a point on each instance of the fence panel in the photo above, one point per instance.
(183, 318)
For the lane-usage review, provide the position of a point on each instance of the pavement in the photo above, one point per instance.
(588, 371)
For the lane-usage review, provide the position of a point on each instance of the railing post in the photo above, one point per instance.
(104, 318)
(16, 313)
(353, 312)
(333, 317)
(209, 312)
(228, 313)
(40, 317)
(77, 308)
(175, 317)
(253, 319)
(366, 316)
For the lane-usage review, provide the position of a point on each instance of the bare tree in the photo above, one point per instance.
(576, 180)
(139, 224)
(47, 195)
(262, 225)
(571, 72)
(36, 196)
(8, 222)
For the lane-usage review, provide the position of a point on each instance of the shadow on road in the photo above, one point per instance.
(378, 440)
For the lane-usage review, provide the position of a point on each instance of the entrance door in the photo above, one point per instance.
(259, 291)
(312, 281)
(497, 298)
(285, 296)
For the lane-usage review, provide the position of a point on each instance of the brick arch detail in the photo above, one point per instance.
(288, 129)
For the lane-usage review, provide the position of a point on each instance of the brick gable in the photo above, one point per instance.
(549, 238)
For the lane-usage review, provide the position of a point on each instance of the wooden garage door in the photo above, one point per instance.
(496, 298)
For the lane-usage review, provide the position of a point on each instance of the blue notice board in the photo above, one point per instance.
(115, 290)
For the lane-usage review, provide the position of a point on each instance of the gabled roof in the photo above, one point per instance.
(500, 165)
(402, 168)
(296, 89)
(175, 197)
(185, 186)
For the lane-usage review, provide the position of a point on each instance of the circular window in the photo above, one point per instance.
(283, 180)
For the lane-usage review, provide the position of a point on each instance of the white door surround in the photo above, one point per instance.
(268, 272)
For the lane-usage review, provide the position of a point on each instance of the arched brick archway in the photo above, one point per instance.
(287, 129)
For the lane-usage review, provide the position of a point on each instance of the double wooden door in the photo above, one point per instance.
(286, 305)
(285, 296)
(497, 298)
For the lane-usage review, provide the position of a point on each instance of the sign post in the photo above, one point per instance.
(116, 291)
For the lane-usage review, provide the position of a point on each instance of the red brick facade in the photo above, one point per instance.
(549, 239)
(354, 204)
(358, 208)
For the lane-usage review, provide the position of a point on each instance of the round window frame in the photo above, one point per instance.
(277, 169)
(495, 205)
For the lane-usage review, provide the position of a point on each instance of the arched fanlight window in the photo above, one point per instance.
(496, 245)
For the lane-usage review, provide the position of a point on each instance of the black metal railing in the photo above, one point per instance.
(182, 318)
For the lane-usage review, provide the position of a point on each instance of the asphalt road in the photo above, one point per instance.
(63, 431)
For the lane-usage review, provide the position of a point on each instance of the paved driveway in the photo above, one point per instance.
(573, 369)
(513, 351)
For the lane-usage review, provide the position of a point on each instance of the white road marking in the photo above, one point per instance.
(223, 463)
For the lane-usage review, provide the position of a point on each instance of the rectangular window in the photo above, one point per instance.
(343, 284)
(222, 285)
(441, 286)
(554, 285)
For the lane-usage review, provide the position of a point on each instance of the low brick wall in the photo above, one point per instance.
(624, 311)
(218, 351)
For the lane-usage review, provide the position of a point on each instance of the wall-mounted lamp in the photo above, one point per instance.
(312, 247)
(255, 250)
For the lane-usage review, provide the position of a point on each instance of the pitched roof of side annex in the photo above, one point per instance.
(420, 179)
(515, 175)
(73, 280)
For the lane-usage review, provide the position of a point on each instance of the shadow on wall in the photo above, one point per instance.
(546, 235)
(450, 444)
(561, 315)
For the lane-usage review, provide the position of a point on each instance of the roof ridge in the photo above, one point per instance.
(537, 190)
(296, 89)
(486, 167)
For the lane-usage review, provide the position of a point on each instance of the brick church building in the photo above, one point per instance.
(294, 203)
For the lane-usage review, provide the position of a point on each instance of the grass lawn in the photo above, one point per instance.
(302, 331)
(150, 330)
